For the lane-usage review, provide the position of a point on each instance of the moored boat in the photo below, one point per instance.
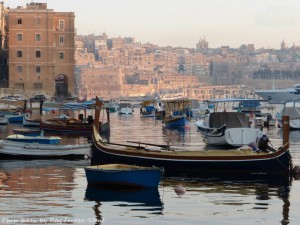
(279, 96)
(291, 109)
(22, 150)
(3, 120)
(34, 139)
(124, 175)
(125, 108)
(29, 122)
(15, 118)
(177, 113)
(228, 128)
(27, 132)
(73, 125)
(175, 160)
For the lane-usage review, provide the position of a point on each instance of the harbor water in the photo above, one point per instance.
(56, 191)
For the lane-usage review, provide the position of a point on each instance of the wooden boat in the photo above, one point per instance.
(125, 108)
(228, 128)
(28, 122)
(72, 125)
(124, 175)
(15, 118)
(242, 160)
(150, 108)
(27, 132)
(111, 105)
(21, 150)
(68, 126)
(176, 113)
(34, 139)
(291, 109)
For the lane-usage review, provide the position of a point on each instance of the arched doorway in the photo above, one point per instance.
(61, 86)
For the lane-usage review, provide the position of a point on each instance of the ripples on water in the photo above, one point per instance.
(56, 191)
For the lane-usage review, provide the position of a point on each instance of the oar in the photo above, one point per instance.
(140, 147)
(143, 143)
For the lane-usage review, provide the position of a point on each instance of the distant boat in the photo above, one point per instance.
(124, 175)
(177, 113)
(150, 108)
(27, 132)
(3, 120)
(125, 108)
(291, 109)
(27, 121)
(15, 118)
(280, 96)
(112, 106)
(73, 125)
(34, 139)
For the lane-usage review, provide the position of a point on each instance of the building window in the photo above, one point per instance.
(19, 20)
(61, 39)
(38, 69)
(19, 37)
(37, 37)
(38, 54)
(19, 69)
(37, 86)
(61, 55)
(19, 54)
(61, 24)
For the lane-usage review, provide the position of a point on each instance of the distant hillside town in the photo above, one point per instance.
(40, 53)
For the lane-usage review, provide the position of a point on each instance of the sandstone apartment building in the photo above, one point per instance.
(41, 50)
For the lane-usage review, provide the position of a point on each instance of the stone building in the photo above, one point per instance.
(3, 48)
(41, 50)
(102, 82)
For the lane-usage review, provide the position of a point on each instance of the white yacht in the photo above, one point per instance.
(280, 96)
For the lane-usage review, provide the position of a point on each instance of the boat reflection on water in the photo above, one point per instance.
(257, 192)
(176, 135)
(146, 198)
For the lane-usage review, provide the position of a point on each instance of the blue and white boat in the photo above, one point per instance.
(31, 139)
(124, 175)
(15, 118)
(177, 113)
(125, 108)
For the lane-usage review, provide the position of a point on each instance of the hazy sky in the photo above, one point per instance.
(264, 23)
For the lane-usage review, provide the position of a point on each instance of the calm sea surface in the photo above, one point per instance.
(56, 191)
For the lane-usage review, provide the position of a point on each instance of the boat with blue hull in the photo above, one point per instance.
(177, 113)
(34, 139)
(124, 175)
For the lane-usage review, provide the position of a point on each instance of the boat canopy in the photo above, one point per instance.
(230, 119)
(292, 112)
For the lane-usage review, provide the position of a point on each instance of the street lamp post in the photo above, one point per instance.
(39, 84)
(22, 87)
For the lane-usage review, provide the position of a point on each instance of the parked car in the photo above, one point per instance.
(8, 98)
(12, 97)
(39, 98)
